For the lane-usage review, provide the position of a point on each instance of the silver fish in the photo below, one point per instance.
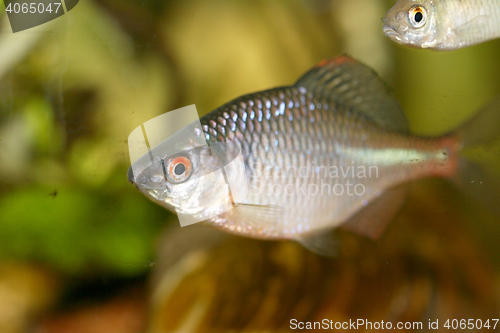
(444, 24)
(333, 149)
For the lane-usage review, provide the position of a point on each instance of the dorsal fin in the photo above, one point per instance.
(351, 83)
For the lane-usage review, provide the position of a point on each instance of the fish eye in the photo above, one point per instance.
(417, 16)
(179, 169)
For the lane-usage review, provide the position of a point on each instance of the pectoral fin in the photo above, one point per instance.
(478, 23)
(264, 217)
(474, 28)
(372, 220)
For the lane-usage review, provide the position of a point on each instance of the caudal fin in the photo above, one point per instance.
(478, 173)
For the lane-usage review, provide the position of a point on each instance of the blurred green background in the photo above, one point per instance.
(72, 90)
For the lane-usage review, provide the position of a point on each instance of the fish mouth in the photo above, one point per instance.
(391, 33)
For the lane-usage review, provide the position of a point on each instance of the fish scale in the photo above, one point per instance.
(314, 132)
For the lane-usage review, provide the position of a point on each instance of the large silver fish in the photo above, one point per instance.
(330, 150)
(443, 24)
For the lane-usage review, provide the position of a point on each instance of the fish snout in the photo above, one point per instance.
(387, 27)
(392, 24)
(388, 30)
(391, 33)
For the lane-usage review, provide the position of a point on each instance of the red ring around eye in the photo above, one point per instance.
(417, 21)
(175, 162)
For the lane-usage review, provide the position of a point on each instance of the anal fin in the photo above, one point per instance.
(322, 243)
(372, 220)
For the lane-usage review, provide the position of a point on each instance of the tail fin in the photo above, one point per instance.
(479, 158)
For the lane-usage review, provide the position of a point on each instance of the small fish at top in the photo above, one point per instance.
(442, 25)
(332, 150)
